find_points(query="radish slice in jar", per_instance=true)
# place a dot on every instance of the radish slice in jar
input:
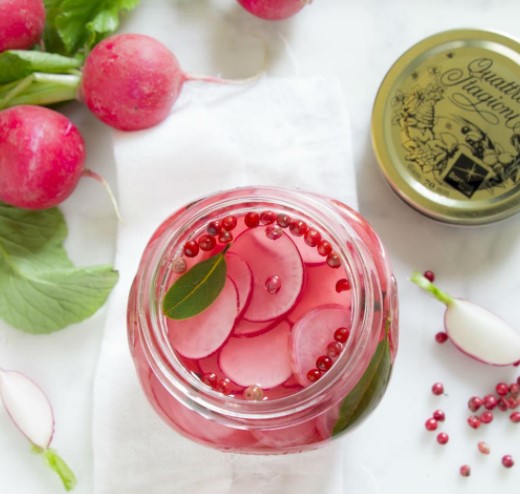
(262, 360)
(310, 336)
(204, 333)
(320, 289)
(240, 273)
(251, 328)
(268, 259)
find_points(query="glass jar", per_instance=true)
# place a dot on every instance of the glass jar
(314, 381)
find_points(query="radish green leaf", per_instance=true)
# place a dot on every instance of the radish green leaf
(40, 288)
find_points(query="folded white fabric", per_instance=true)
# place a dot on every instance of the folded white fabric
(288, 132)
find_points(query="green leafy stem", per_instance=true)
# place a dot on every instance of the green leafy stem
(58, 465)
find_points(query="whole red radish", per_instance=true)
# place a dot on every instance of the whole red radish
(273, 9)
(21, 23)
(42, 157)
(131, 81)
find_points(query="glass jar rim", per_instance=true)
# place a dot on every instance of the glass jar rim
(306, 403)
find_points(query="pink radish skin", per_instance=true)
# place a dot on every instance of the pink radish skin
(262, 360)
(201, 335)
(28, 407)
(131, 81)
(273, 9)
(42, 156)
(239, 272)
(250, 328)
(267, 258)
(475, 331)
(310, 336)
(21, 23)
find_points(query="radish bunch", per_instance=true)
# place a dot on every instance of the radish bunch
(474, 330)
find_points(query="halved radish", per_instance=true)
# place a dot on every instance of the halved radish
(240, 273)
(310, 255)
(262, 360)
(28, 407)
(310, 336)
(268, 258)
(474, 330)
(320, 289)
(202, 334)
(30, 410)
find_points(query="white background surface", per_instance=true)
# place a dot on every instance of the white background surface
(356, 42)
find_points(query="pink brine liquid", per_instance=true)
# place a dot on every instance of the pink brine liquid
(298, 345)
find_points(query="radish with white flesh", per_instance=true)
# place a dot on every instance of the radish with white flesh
(268, 258)
(202, 334)
(474, 330)
(310, 336)
(21, 23)
(262, 360)
(273, 9)
(42, 156)
(31, 412)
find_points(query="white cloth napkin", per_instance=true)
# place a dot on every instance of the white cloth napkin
(288, 132)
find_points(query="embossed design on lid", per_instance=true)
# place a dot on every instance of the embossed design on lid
(446, 126)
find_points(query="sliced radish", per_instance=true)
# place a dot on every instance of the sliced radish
(290, 437)
(239, 272)
(28, 407)
(262, 360)
(268, 258)
(476, 331)
(204, 333)
(320, 289)
(310, 336)
(251, 328)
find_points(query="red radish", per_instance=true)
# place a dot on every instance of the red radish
(273, 9)
(131, 81)
(474, 330)
(240, 273)
(319, 289)
(202, 334)
(21, 23)
(262, 360)
(267, 258)
(42, 157)
(310, 336)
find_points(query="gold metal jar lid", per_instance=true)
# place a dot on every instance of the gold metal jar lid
(446, 126)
